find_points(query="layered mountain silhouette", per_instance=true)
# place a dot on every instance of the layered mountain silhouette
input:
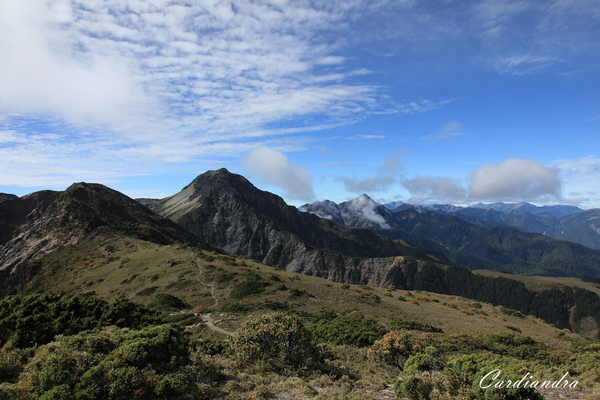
(466, 240)
(35, 225)
(557, 211)
(560, 222)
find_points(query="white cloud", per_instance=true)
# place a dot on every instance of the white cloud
(365, 136)
(39, 74)
(581, 165)
(366, 207)
(274, 168)
(515, 179)
(580, 175)
(523, 64)
(144, 83)
(435, 188)
(386, 177)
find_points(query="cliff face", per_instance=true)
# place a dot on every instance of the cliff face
(37, 224)
(227, 211)
(15, 211)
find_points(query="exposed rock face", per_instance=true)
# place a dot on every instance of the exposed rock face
(37, 224)
(17, 211)
(227, 211)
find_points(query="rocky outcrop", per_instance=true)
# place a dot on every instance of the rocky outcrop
(17, 211)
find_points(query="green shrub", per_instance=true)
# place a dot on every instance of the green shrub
(347, 331)
(168, 302)
(472, 368)
(428, 361)
(37, 318)
(397, 346)
(275, 342)
(249, 287)
(401, 324)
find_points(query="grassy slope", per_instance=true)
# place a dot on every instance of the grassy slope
(543, 282)
(116, 266)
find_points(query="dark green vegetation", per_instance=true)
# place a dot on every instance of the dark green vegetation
(121, 350)
(563, 306)
(36, 319)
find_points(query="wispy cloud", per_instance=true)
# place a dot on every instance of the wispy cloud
(522, 65)
(365, 136)
(166, 80)
(451, 129)
(385, 177)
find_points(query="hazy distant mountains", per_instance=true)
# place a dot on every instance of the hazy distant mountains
(560, 222)
(557, 211)
(464, 236)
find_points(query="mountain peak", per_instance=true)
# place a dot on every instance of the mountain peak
(362, 201)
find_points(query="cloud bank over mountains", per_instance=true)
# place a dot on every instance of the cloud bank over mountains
(513, 180)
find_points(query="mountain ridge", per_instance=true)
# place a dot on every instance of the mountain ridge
(227, 211)
(45, 221)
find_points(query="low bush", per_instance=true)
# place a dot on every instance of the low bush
(396, 346)
(359, 332)
(168, 302)
(275, 342)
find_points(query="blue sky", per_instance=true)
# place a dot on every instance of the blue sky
(420, 101)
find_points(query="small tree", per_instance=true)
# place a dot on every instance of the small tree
(276, 341)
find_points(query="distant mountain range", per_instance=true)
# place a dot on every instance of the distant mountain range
(465, 237)
(560, 222)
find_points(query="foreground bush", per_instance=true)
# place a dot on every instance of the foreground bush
(347, 331)
(151, 363)
(397, 346)
(37, 318)
(275, 342)
(426, 377)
